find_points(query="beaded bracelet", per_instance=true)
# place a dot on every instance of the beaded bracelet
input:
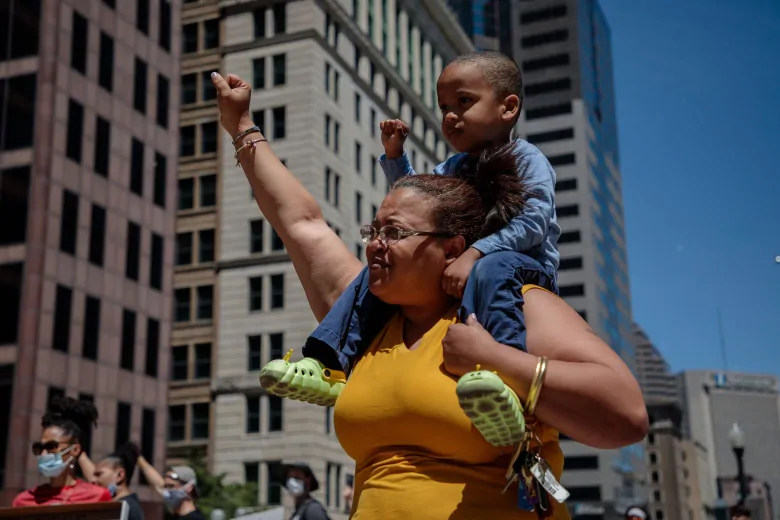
(245, 133)
(249, 144)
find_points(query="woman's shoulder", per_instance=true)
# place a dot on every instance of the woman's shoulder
(87, 492)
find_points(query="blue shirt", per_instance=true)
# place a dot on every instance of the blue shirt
(534, 231)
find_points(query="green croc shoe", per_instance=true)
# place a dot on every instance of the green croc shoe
(492, 407)
(306, 380)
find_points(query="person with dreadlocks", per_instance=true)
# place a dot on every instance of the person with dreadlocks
(64, 426)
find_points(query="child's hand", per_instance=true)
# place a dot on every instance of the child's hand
(457, 273)
(394, 132)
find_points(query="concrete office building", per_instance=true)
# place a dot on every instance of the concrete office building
(563, 48)
(713, 402)
(652, 371)
(88, 140)
(195, 276)
(325, 73)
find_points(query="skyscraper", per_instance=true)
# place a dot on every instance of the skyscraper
(487, 22)
(652, 371)
(88, 140)
(563, 48)
(324, 75)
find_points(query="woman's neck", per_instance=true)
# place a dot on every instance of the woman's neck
(66, 479)
(418, 319)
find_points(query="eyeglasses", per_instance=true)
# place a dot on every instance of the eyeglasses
(49, 447)
(390, 235)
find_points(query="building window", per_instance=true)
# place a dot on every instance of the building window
(156, 263)
(655, 477)
(148, 427)
(183, 303)
(553, 135)
(133, 254)
(547, 87)
(541, 15)
(102, 146)
(336, 137)
(256, 236)
(657, 496)
(373, 123)
(259, 24)
(208, 191)
(256, 294)
(183, 248)
(165, 25)
(137, 167)
(357, 107)
(653, 458)
(569, 237)
(258, 116)
(62, 318)
(546, 62)
(200, 420)
(22, 91)
(106, 62)
(206, 246)
(275, 414)
(139, 86)
(358, 156)
(91, 340)
(659, 514)
(208, 137)
(566, 185)
(163, 87)
(25, 18)
(177, 422)
(205, 295)
(124, 413)
(202, 360)
(280, 18)
(97, 235)
(258, 73)
(280, 69)
(180, 360)
(127, 355)
(536, 40)
(69, 222)
(548, 111)
(581, 462)
(254, 348)
(142, 16)
(570, 263)
(566, 291)
(152, 346)
(252, 414)
(275, 481)
(190, 38)
(75, 130)
(160, 179)
(358, 207)
(187, 141)
(280, 122)
(585, 493)
(78, 43)
(276, 345)
(208, 90)
(276, 241)
(186, 199)
(277, 291)
(189, 89)
(571, 210)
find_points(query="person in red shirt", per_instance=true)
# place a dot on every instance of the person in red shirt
(64, 425)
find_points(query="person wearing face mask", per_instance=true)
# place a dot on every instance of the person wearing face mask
(64, 426)
(180, 491)
(300, 482)
(115, 472)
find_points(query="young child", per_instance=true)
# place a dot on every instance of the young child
(480, 96)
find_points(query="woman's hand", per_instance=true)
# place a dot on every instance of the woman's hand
(233, 95)
(464, 346)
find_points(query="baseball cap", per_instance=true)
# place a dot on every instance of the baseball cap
(635, 511)
(185, 475)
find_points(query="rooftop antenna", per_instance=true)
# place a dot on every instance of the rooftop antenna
(722, 341)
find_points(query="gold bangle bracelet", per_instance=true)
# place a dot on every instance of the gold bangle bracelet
(536, 386)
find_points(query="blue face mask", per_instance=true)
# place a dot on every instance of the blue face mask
(112, 488)
(51, 465)
(173, 498)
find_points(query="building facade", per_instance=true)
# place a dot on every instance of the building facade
(88, 142)
(713, 402)
(563, 49)
(193, 342)
(487, 22)
(324, 74)
(652, 371)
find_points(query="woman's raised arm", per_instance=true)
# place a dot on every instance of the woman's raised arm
(323, 263)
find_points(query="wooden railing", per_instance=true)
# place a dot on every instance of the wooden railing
(101, 511)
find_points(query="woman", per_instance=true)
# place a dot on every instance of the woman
(417, 454)
(114, 473)
(60, 446)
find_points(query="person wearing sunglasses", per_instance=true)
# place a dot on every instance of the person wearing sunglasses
(178, 488)
(64, 426)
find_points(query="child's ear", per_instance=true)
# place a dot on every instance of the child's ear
(455, 247)
(512, 106)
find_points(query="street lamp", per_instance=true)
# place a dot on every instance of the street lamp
(737, 439)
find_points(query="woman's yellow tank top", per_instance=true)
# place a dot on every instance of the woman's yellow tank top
(418, 456)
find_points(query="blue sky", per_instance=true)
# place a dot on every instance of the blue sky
(698, 102)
